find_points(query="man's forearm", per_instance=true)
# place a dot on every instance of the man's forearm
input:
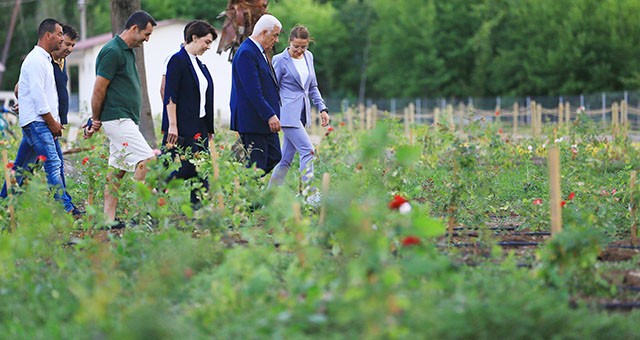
(97, 100)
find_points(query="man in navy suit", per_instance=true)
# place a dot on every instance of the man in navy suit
(255, 101)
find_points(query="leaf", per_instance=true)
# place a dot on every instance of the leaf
(428, 227)
(407, 154)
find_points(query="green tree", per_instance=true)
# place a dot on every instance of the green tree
(404, 60)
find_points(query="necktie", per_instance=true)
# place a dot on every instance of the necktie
(273, 72)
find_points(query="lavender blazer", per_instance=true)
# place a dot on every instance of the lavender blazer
(294, 95)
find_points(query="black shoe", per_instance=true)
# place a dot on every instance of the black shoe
(116, 224)
(77, 213)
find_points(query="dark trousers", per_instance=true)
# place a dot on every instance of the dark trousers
(263, 149)
(188, 170)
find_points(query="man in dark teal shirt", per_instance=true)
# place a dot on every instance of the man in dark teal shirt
(116, 103)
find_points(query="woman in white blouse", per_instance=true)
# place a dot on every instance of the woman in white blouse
(187, 120)
(296, 78)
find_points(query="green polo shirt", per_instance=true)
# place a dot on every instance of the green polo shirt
(117, 62)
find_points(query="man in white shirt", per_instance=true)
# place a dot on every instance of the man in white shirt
(39, 118)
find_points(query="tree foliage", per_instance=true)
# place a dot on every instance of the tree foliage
(425, 48)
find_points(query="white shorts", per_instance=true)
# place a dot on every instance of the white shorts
(127, 146)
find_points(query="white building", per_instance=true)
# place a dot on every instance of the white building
(165, 41)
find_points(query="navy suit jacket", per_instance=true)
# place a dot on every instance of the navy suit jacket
(183, 89)
(254, 91)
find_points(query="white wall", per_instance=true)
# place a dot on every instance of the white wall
(164, 41)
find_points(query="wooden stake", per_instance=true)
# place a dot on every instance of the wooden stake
(539, 116)
(350, 119)
(374, 115)
(436, 117)
(567, 113)
(554, 190)
(624, 118)
(214, 160)
(560, 115)
(632, 207)
(220, 201)
(407, 126)
(516, 109)
(325, 192)
(7, 179)
(412, 113)
(615, 122)
(361, 110)
(534, 120)
(452, 125)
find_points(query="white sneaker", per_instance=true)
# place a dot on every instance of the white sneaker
(314, 199)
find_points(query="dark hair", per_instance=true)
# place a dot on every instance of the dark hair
(140, 19)
(70, 32)
(186, 27)
(200, 28)
(299, 32)
(47, 26)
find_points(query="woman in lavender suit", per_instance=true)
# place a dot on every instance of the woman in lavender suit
(296, 78)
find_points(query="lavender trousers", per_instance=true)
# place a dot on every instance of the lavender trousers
(296, 139)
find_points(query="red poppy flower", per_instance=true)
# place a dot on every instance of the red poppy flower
(125, 144)
(497, 112)
(397, 202)
(500, 131)
(537, 201)
(162, 201)
(197, 136)
(343, 123)
(85, 160)
(410, 241)
(330, 128)
(9, 165)
(563, 203)
(42, 158)
(572, 195)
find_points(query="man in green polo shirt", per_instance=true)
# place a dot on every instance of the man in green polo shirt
(116, 104)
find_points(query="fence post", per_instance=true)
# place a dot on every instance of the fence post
(560, 114)
(539, 117)
(452, 125)
(374, 115)
(624, 118)
(516, 110)
(604, 109)
(534, 120)
(361, 111)
(350, 119)
(615, 122)
(567, 113)
(436, 117)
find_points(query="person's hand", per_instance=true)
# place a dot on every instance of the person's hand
(90, 130)
(55, 128)
(324, 118)
(274, 124)
(96, 125)
(172, 135)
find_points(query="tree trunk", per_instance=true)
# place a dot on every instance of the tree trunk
(120, 11)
